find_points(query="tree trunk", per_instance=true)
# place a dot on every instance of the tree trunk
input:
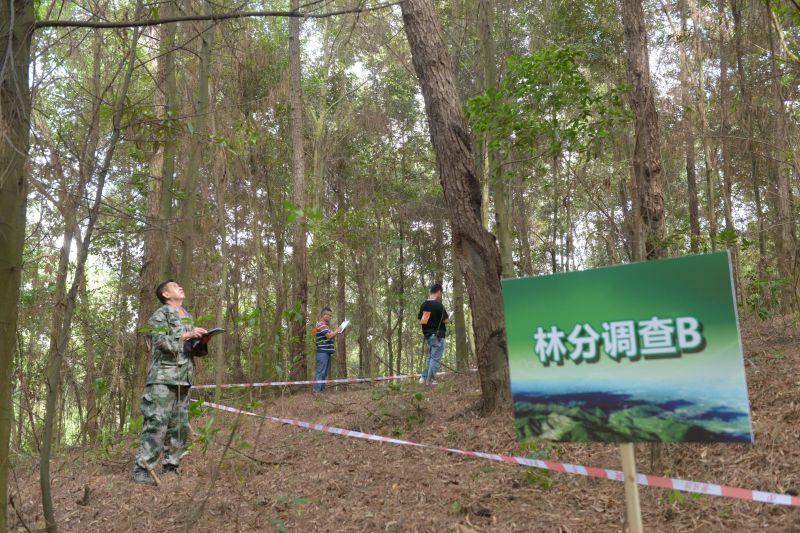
(170, 88)
(475, 248)
(688, 136)
(15, 110)
(401, 299)
(755, 182)
(154, 249)
(492, 169)
(709, 167)
(297, 342)
(786, 242)
(198, 129)
(90, 429)
(646, 154)
(727, 166)
(341, 280)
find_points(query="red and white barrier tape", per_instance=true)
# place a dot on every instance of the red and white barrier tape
(603, 473)
(314, 382)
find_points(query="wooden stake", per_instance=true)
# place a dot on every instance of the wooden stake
(158, 481)
(633, 511)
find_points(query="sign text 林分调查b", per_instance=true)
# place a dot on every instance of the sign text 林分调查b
(652, 338)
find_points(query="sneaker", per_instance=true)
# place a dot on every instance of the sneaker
(170, 470)
(141, 475)
(422, 381)
(433, 382)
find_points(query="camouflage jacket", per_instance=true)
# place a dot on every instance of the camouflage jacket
(171, 360)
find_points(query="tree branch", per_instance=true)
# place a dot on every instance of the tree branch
(213, 16)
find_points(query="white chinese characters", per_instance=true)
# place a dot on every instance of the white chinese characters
(649, 338)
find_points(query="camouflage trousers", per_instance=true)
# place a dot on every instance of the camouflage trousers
(166, 424)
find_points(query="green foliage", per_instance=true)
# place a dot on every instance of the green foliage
(547, 104)
(399, 406)
(679, 498)
(205, 435)
(195, 408)
(531, 448)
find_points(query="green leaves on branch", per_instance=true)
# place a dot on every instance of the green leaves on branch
(547, 104)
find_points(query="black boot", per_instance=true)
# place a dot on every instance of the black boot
(141, 475)
(169, 470)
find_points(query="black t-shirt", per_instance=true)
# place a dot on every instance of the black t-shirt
(432, 316)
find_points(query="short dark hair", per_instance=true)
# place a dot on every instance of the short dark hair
(436, 287)
(326, 310)
(160, 290)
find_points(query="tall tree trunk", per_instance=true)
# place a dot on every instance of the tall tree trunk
(90, 429)
(401, 298)
(15, 111)
(170, 87)
(755, 182)
(709, 167)
(155, 236)
(646, 154)
(198, 130)
(475, 248)
(688, 135)
(491, 161)
(341, 280)
(727, 166)
(297, 342)
(786, 241)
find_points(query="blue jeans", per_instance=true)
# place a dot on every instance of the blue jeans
(321, 371)
(435, 351)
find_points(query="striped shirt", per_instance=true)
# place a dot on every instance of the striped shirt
(324, 344)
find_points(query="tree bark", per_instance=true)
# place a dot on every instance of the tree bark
(15, 110)
(170, 87)
(462, 350)
(341, 288)
(755, 181)
(727, 164)
(154, 249)
(492, 169)
(709, 167)
(297, 342)
(475, 247)
(786, 240)
(198, 130)
(646, 154)
(688, 136)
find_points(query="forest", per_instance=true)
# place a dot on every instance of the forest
(276, 159)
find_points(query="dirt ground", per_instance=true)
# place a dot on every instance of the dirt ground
(255, 475)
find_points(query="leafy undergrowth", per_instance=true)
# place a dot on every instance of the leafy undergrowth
(246, 474)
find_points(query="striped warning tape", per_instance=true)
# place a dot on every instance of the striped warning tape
(603, 473)
(314, 382)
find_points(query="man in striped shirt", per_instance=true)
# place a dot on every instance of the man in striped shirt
(324, 335)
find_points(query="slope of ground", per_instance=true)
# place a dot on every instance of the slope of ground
(255, 475)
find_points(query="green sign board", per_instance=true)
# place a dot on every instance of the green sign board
(646, 352)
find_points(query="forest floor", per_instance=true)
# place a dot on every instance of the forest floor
(282, 478)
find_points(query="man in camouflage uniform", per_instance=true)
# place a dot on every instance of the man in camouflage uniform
(165, 402)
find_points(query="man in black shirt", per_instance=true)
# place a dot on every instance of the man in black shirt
(433, 318)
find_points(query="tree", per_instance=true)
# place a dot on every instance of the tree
(646, 153)
(299, 319)
(476, 250)
(15, 111)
